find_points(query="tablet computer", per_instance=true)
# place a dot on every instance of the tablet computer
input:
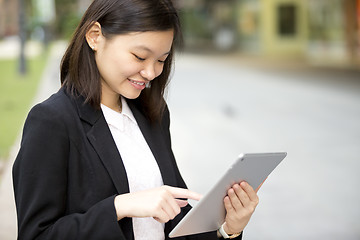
(209, 214)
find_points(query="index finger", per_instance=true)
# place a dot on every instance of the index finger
(183, 193)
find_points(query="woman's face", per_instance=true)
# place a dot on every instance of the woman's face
(128, 62)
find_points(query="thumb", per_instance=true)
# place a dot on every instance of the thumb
(181, 203)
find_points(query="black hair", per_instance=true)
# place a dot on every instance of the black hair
(79, 73)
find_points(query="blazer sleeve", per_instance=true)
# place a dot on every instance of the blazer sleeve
(40, 185)
(181, 182)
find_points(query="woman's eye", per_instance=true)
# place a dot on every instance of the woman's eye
(161, 61)
(139, 58)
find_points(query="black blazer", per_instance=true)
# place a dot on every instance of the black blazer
(68, 172)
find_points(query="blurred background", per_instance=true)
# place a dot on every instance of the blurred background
(254, 76)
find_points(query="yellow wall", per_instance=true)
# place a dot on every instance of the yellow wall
(272, 43)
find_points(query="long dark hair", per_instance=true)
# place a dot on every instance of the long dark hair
(79, 73)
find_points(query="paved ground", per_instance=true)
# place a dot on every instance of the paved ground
(222, 106)
(9, 48)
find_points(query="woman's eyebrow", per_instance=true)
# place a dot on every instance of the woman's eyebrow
(149, 50)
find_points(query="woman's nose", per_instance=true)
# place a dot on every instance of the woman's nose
(150, 72)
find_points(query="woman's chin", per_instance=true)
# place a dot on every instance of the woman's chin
(132, 95)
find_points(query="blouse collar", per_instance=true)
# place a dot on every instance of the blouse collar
(117, 119)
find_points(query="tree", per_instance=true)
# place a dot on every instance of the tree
(22, 35)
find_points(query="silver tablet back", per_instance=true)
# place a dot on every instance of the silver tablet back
(209, 214)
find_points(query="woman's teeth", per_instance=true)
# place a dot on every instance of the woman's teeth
(138, 83)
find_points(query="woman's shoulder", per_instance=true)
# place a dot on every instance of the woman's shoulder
(56, 100)
(57, 105)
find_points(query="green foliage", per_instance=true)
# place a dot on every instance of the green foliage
(16, 95)
(67, 18)
(70, 25)
(195, 24)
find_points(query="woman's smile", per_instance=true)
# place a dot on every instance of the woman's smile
(138, 84)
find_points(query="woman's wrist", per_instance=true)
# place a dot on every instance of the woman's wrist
(224, 232)
(119, 206)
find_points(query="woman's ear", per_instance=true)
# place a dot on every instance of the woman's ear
(94, 35)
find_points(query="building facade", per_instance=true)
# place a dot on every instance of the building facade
(39, 12)
(315, 30)
(9, 12)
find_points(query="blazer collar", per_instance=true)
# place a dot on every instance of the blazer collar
(86, 112)
(101, 139)
(99, 136)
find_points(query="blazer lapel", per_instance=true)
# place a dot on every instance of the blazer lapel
(154, 138)
(101, 139)
(103, 143)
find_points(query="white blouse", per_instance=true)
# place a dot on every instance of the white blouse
(141, 167)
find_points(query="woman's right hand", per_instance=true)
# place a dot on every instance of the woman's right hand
(160, 203)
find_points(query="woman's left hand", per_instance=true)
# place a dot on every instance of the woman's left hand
(240, 204)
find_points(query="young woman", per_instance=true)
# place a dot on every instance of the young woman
(95, 159)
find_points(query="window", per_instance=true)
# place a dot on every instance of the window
(287, 20)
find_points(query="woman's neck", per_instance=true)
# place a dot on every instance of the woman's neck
(114, 103)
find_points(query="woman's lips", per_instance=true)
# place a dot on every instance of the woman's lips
(137, 84)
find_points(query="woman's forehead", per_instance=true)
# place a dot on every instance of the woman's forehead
(151, 41)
